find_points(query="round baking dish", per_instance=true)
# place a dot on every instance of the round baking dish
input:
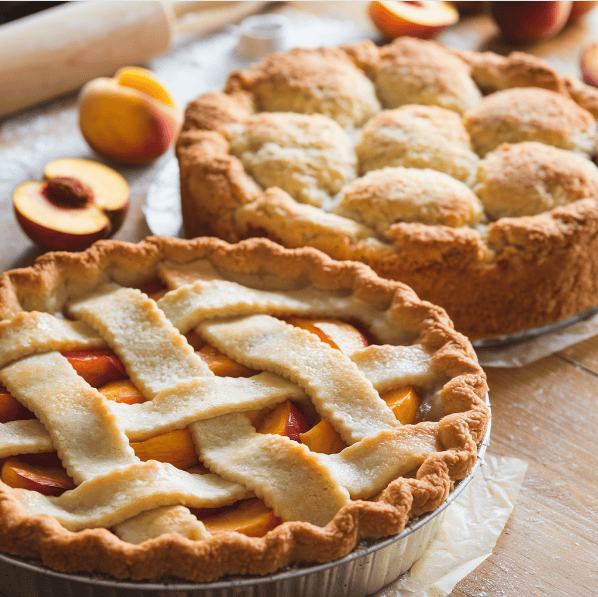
(514, 269)
(370, 566)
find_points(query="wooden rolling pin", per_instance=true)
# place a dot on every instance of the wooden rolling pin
(60, 49)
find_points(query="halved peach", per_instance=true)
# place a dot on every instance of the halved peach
(221, 365)
(175, 447)
(130, 118)
(79, 203)
(46, 480)
(250, 517)
(338, 334)
(96, 367)
(417, 19)
(11, 409)
(109, 190)
(285, 419)
(122, 390)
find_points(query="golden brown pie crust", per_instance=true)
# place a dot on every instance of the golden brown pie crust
(526, 272)
(59, 277)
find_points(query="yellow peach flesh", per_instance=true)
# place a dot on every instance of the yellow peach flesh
(145, 81)
(175, 447)
(30, 203)
(250, 517)
(323, 438)
(110, 189)
(418, 19)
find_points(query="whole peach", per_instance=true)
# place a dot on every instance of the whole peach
(530, 21)
(130, 118)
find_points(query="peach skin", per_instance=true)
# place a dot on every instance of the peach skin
(417, 19)
(46, 480)
(78, 203)
(130, 118)
(250, 517)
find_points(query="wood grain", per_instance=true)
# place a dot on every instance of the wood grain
(546, 414)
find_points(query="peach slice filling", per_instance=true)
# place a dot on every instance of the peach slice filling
(102, 369)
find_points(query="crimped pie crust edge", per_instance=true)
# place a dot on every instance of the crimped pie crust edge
(48, 284)
(531, 271)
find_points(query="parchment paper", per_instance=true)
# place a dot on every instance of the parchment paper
(468, 532)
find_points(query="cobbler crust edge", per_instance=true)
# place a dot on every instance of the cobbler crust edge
(541, 269)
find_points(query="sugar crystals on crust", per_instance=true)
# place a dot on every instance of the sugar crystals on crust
(417, 137)
(323, 81)
(412, 71)
(529, 178)
(309, 156)
(531, 114)
(383, 197)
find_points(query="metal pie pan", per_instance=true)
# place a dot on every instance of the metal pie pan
(511, 339)
(370, 566)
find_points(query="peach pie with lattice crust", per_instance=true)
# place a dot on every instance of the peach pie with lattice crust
(194, 409)
(469, 176)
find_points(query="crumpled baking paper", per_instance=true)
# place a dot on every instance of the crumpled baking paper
(523, 352)
(468, 532)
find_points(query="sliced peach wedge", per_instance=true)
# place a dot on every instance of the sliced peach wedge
(96, 367)
(286, 419)
(323, 437)
(338, 334)
(79, 202)
(417, 19)
(11, 409)
(250, 517)
(175, 447)
(43, 479)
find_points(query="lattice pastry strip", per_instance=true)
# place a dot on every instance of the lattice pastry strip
(203, 398)
(153, 523)
(389, 366)
(337, 388)
(188, 306)
(117, 312)
(107, 311)
(126, 492)
(41, 332)
(366, 467)
(231, 446)
(83, 429)
(23, 437)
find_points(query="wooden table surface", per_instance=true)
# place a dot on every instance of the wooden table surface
(545, 413)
